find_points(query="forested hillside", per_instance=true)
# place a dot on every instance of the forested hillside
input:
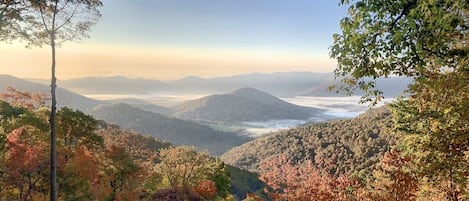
(242, 105)
(349, 145)
(101, 161)
(176, 131)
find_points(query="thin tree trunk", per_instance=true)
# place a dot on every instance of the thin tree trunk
(53, 151)
(53, 139)
(53, 86)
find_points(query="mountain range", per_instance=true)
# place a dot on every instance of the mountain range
(179, 125)
(281, 84)
(140, 116)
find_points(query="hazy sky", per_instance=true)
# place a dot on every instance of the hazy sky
(170, 39)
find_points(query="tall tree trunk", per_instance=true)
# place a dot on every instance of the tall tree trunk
(53, 139)
(53, 86)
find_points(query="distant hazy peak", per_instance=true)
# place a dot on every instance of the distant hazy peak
(249, 92)
(191, 78)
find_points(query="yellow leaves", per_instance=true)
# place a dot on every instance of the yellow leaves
(184, 167)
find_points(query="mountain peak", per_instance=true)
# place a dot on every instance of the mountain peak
(249, 91)
(244, 104)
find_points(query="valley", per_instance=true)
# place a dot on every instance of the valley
(215, 122)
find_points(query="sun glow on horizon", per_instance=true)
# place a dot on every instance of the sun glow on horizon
(76, 60)
(175, 39)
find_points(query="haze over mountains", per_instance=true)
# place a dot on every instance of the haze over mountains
(179, 124)
(281, 84)
(214, 122)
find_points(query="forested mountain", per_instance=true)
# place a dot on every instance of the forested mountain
(142, 104)
(176, 131)
(350, 145)
(141, 147)
(65, 97)
(242, 105)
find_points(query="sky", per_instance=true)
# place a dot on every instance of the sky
(172, 39)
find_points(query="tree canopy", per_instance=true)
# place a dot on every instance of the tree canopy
(426, 40)
(383, 38)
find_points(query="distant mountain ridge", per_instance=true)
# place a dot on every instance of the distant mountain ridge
(242, 105)
(281, 84)
(140, 116)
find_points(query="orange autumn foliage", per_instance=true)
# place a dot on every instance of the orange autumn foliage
(206, 189)
(288, 181)
(25, 162)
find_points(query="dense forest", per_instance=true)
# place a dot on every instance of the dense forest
(349, 145)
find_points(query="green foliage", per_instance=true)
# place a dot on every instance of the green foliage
(222, 180)
(244, 183)
(8, 111)
(435, 128)
(12, 117)
(426, 40)
(42, 22)
(76, 128)
(10, 17)
(381, 38)
(123, 173)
